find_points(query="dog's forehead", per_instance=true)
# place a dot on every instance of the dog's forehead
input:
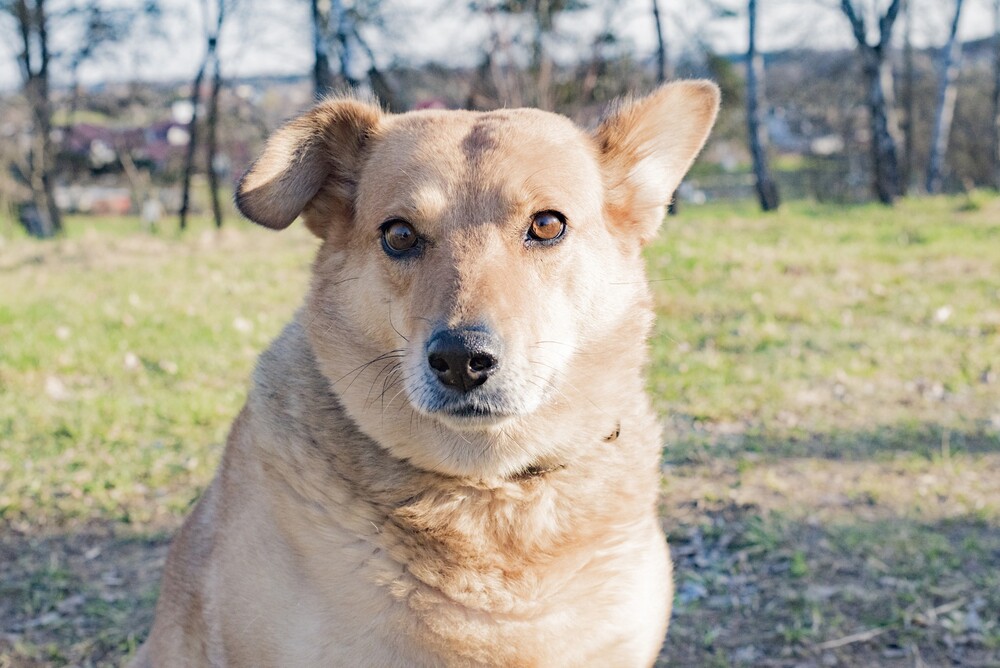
(505, 155)
(472, 135)
(497, 145)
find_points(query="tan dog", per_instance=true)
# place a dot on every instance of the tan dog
(448, 458)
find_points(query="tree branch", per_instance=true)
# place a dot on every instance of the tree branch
(857, 21)
(886, 22)
(43, 38)
(24, 26)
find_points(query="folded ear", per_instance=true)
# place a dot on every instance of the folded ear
(318, 153)
(647, 146)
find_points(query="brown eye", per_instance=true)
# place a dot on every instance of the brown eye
(547, 226)
(398, 237)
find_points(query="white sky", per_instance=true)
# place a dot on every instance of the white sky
(273, 37)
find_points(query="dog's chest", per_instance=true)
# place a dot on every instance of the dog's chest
(474, 590)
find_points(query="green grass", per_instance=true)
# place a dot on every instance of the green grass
(829, 378)
(829, 321)
(124, 358)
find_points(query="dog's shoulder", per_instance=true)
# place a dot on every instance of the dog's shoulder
(287, 370)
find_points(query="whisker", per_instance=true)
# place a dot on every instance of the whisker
(402, 380)
(394, 327)
(344, 280)
(388, 384)
(368, 398)
(399, 352)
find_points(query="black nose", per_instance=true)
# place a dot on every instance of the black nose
(463, 358)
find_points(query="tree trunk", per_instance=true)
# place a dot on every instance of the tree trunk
(138, 183)
(322, 78)
(36, 87)
(211, 145)
(342, 22)
(879, 98)
(909, 78)
(192, 142)
(996, 94)
(212, 33)
(767, 189)
(951, 56)
(381, 86)
(541, 62)
(661, 45)
(878, 75)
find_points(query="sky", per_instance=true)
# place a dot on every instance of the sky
(273, 36)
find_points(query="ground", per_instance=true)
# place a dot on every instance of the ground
(829, 378)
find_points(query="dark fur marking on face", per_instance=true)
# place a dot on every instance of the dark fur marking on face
(480, 139)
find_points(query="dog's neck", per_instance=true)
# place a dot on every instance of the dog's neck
(439, 525)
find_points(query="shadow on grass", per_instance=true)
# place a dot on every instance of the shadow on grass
(765, 590)
(81, 597)
(689, 442)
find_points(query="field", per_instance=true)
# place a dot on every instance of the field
(829, 378)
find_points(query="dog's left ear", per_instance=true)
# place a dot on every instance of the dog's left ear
(647, 146)
(318, 153)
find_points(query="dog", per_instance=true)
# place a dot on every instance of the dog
(448, 457)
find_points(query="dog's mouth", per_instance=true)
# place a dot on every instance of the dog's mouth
(471, 415)
(471, 411)
(475, 410)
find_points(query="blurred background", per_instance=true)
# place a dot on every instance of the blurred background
(154, 108)
(826, 357)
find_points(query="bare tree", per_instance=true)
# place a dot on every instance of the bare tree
(337, 29)
(211, 143)
(996, 94)
(343, 28)
(34, 59)
(494, 84)
(879, 95)
(322, 80)
(661, 45)
(543, 15)
(909, 106)
(543, 12)
(212, 31)
(767, 189)
(945, 107)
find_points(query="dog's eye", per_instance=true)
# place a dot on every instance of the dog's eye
(547, 226)
(398, 237)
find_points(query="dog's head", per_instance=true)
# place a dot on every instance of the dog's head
(478, 268)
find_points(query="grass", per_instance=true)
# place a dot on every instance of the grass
(829, 378)
(827, 320)
(136, 351)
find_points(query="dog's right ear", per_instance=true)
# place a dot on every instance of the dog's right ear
(318, 153)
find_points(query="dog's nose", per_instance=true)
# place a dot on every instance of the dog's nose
(463, 358)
